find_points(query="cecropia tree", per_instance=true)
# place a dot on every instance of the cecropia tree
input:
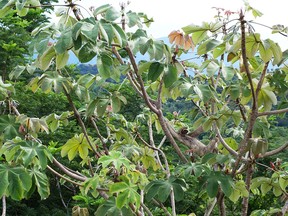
(127, 163)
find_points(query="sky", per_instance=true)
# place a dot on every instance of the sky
(171, 15)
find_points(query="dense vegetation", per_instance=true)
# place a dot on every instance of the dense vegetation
(140, 137)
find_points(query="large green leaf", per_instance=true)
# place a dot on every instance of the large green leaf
(52, 80)
(170, 75)
(64, 43)
(112, 14)
(61, 60)
(155, 70)
(208, 46)
(104, 65)
(161, 189)
(90, 31)
(26, 152)
(216, 179)
(87, 53)
(15, 182)
(109, 208)
(45, 60)
(127, 193)
(40, 180)
(9, 127)
(116, 159)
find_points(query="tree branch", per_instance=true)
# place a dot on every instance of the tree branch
(161, 206)
(210, 207)
(273, 112)
(143, 90)
(67, 172)
(223, 142)
(61, 176)
(275, 151)
(168, 134)
(261, 80)
(244, 58)
(81, 123)
(4, 207)
(245, 200)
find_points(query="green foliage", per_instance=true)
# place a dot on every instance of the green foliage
(15, 182)
(216, 120)
(161, 189)
(76, 145)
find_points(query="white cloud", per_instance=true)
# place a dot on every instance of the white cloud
(173, 15)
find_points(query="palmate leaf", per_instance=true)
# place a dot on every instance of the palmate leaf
(76, 145)
(33, 125)
(127, 193)
(216, 179)
(9, 127)
(40, 180)
(86, 53)
(161, 189)
(26, 152)
(109, 208)
(115, 158)
(50, 80)
(15, 182)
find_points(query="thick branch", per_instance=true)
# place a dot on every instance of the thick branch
(143, 90)
(244, 58)
(223, 142)
(273, 112)
(193, 143)
(61, 176)
(248, 184)
(275, 151)
(3, 205)
(67, 172)
(168, 134)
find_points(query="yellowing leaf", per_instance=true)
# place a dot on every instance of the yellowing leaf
(76, 145)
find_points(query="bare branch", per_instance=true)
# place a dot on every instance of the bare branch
(161, 206)
(210, 207)
(223, 142)
(4, 207)
(261, 80)
(61, 176)
(67, 172)
(143, 90)
(275, 151)
(273, 112)
(244, 58)
(159, 100)
(248, 179)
